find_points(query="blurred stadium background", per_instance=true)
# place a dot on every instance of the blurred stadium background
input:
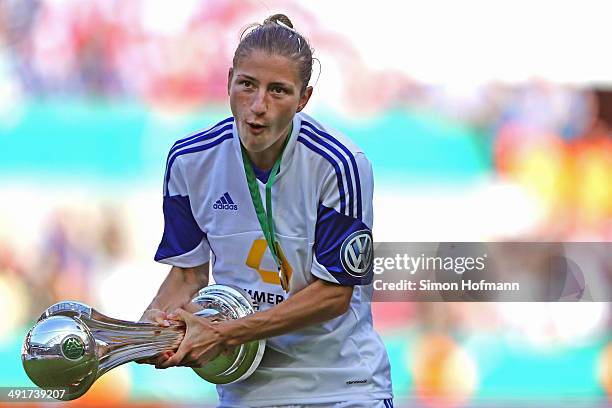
(483, 120)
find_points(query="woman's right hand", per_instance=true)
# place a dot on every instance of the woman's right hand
(156, 316)
(160, 318)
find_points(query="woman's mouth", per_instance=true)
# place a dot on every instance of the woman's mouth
(255, 128)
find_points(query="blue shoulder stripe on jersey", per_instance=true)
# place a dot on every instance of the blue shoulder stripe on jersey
(334, 163)
(203, 135)
(345, 164)
(349, 154)
(199, 138)
(193, 150)
(223, 122)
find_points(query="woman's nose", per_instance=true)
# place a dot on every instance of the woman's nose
(258, 104)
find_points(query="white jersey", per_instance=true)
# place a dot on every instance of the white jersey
(322, 210)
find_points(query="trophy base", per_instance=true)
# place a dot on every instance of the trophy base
(220, 369)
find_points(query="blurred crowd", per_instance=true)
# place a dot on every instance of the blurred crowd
(553, 139)
(113, 49)
(558, 144)
(75, 250)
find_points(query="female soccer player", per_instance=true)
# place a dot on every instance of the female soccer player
(285, 207)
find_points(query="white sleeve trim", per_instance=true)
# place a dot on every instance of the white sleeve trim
(321, 272)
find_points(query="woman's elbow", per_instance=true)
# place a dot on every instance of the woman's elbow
(342, 301)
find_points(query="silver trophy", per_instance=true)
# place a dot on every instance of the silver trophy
(72, 345)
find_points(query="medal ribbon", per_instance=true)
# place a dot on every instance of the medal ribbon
(265, 217)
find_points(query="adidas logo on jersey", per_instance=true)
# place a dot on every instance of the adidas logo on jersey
(225, 203)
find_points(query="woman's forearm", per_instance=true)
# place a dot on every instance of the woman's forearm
(316, 303)
(179, 287)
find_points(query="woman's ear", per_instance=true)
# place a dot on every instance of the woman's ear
(230, 73)
(304, 98)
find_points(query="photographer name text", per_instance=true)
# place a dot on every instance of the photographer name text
(428, 285)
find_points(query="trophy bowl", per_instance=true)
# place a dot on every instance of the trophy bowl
(72, 344)
(224, 302)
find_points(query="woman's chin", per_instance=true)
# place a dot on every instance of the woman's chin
(253, 145)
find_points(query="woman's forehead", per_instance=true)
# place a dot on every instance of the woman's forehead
(266, 67)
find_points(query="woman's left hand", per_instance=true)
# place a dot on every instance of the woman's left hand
(203, 341)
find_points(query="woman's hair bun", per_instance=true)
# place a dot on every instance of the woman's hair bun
(276, 18)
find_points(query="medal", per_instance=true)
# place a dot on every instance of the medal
(285, 269)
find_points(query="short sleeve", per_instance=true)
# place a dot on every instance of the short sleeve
(183, 243)
(343, 247)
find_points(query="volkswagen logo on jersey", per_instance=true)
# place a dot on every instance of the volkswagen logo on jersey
(356, 253)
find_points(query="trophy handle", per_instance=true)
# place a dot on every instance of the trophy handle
(120, 341)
